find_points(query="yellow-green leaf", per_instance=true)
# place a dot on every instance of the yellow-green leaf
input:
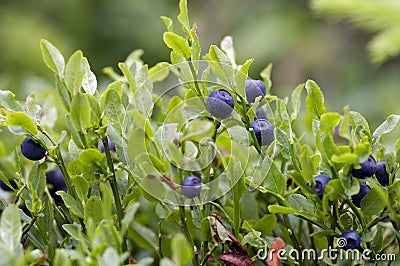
(178, 44)
(21, 119)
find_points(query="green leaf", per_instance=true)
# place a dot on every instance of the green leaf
(275, 180)
(81, 187)
(52, 57)
(315, 100)
(72, 204)
(178, 44)
(130, 213)
(266, 76)
(22, 120)
(129, 76)
(114, 109)
(110, 257)
(198, 129)
(168, 23)
(329, 121)
(32, 108)
(373, 202)
(159, 72)
(8, 102)
(91, 210)
(241, 77)
(281, 209)
(80, 111)
(143, 236)
(227, 47)
(221, 65)
(11, 228)
(386, 127)
(63, 94)
(91, 157)
(74, 72)
(301, 203)
(89, 81)
(37, 179)
(296, 101)
(182, 251)
(74, 133)
(266, 224)
(183, 17)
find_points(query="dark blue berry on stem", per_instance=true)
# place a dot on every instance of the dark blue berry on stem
(32, 150)
(191, 187)
(261, 114)
(5, 187)
(364, 189)
(381, 174)
(254, 89)
(220, 103)
(367, 168)
(352, 240)
(111, 145)
(264, 131)
(320, 183)
(56, 182)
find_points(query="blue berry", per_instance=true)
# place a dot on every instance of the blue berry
(264, 131)
(191, 187)
(6, 187)
(320, 182)
(254, 89)
(353, 240)
(111, 145)
(56, 181)
(364, 189)
(32, 150)
(368, 168)
(381, 174)
(261, 114)
(220, 103)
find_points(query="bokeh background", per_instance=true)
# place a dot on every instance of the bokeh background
(301, 41)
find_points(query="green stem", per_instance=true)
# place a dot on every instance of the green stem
(292, 235)
(196, 84)
(236, 209)
(113, 181)
(377, 220)
(205, 259)
(185, 229)
(114, 186)
(29, 225)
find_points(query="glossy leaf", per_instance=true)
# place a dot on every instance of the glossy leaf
(52, 57)
(11, 228)
(315, 100)
(74, 72)
(386, 127)
(72, 204)
(22, 120)
(178, 44)
(91, 209)
(80, 111)
(183, 17)
(89, 81)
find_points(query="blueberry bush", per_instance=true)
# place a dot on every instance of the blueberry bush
(191, 162)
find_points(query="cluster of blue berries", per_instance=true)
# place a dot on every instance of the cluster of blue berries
(55, 182)
(220, 104)
(34, 151)
(367, 169)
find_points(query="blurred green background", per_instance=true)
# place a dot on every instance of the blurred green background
(300, 42)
